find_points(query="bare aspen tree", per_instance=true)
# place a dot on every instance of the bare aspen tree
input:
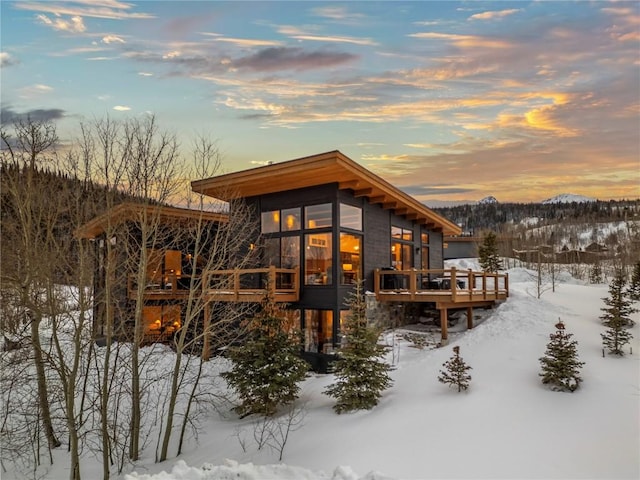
(216, 246)
(35, 216)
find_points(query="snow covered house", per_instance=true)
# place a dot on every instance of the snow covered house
(322, 222)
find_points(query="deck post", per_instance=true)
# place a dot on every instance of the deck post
(376, 282)
(470, 284)
(271, 283)
(453, 284)
(469, 318)
(206, 347)
(484, 285)
(506, 283)
(444, 337)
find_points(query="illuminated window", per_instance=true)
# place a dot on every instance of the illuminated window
(318, 331)
(318, 258)
(270, 221)
(290, 219)
(350, 250)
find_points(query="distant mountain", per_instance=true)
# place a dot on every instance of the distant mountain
(568, 198)
(488, 200)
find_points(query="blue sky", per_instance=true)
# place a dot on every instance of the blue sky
(447, 100)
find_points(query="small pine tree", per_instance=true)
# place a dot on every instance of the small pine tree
(617, 316)
(267, 367)
(619, 307)
(634, 285)
(456, 371)
(361, 375)
(595, 273)
(560, 365)
(488, 254)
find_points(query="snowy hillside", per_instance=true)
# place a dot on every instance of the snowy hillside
(568, 198)
(508, 425)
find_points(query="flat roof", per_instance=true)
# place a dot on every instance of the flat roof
(324, 168)
(130, 211)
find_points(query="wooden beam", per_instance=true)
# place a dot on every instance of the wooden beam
(469, 318)
(402, 211)
(389, 205)
(378, 199)
(412, 216)
(363, 192)
(352, 184)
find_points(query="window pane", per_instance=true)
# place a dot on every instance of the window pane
(350, 217)
(318, 258)
(271, 221)
(318, 331)
(407, 234)
(396, 232)
(317, 216)
(272, 252)
(349, 258)
(290, 219)
(290, 253)
(424, 238)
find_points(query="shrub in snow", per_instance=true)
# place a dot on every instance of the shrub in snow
(456, 371)
(266, 367)
(488, 254)
(361, 374)
(560, 365)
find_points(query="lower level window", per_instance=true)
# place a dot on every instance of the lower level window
(318, 331)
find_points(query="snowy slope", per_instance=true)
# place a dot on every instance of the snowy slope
(508, 425)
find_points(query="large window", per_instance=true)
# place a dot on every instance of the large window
(350, 217)
(401, 248)
(350, 265)
(276, 221)
(282, 252)
(318, 259)
(318, 331)
(318, 216)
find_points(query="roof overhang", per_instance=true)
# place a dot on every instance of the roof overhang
(125, 212)
(325, 168)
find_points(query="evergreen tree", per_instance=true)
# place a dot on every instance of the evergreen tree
(488, 254)
(619, 307)
(595, 273)
(456, 371)
(267, 367)
(560, 365)
(634, 285)
(361, 375)
(617, 316)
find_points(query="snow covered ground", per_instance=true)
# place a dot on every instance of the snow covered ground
(507, 425)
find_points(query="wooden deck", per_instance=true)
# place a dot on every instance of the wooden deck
(238, 285)
(452, 287)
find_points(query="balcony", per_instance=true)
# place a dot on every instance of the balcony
(169, 287)
(252, 285)
(246, 285)
(446, 287)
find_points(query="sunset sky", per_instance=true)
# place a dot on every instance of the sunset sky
(447, 100)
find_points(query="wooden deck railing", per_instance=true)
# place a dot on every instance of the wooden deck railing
(171, 286)
(440, 285)
(252, 285)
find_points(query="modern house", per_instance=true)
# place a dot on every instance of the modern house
(324, 221)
